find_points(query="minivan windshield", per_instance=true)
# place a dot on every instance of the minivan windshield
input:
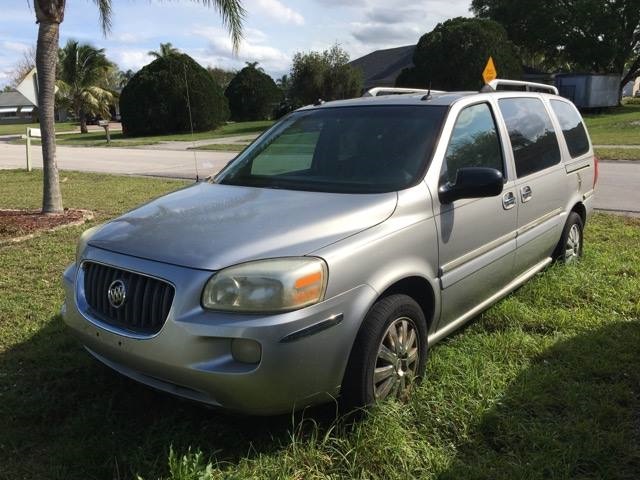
(365, 149)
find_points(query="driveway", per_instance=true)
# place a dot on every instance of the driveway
(617, 189)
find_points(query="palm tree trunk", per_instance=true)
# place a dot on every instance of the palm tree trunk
(46, 58)
(83, 121)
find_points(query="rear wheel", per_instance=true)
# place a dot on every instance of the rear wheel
(569, 248)
(389, 354)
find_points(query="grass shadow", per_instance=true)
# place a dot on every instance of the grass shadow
(574, 413)
(86, 421)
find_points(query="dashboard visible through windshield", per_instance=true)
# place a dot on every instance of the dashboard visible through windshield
(369, 149)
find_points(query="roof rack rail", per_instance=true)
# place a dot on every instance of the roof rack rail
(526, 86)
(383, 91)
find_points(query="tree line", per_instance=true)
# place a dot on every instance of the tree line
(571, 36)
(173, 93)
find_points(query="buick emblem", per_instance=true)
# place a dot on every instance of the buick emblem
(117, 293)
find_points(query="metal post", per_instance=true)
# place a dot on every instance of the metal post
(28, 149)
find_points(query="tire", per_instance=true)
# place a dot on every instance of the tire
(569, 249)
(396, 373)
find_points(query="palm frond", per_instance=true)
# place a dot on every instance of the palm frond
(104, 8)
(233, 14)
(96, 101)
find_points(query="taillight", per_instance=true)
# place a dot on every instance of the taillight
(596, 169)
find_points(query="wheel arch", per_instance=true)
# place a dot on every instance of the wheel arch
(420, 290)
(581, 210)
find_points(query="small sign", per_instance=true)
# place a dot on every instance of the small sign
(489, 72)
(35, 133)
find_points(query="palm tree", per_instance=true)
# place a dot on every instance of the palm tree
(49, 16)
(124, 78)
(82, 76)
(166, 50)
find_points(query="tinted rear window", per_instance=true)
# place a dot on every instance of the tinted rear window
(347, 149)
(572, 128)
(534, 142)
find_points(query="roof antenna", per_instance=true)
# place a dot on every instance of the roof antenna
(428, 95)
(193, 142)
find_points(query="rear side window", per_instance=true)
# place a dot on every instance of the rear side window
(572, 128)
(474, 143)
(534, 142)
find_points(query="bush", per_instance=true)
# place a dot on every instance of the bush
(155, 99)
(631, 101)
(323, 75)
(252, 95)
(454, 54)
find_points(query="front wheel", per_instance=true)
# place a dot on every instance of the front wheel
(389, 354)
(569, 248)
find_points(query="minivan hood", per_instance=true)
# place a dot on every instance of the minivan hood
(212, 226)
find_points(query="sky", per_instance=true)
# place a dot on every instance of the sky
(274, 29)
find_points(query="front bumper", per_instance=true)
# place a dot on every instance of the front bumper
(191, 355)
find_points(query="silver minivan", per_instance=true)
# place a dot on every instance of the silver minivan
(326, 259)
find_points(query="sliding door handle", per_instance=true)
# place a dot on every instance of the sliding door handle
(508, 201)
(526, 193)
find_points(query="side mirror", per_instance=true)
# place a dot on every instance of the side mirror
(472, 182)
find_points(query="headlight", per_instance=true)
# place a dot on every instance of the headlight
(267, 286)
(83, 240)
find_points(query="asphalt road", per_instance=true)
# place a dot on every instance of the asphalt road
(618, 189)
(129, 161)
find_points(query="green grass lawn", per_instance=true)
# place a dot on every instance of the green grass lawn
(615, 126)
(22, 128)
(98, 139)
(546, 384)
(618, 153)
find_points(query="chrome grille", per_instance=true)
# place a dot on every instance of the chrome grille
(146, 306)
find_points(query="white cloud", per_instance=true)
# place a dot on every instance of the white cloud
(277, 11)
(128, 37)
(383, 26)
(133, 59)
(17, 47)
(383, 33)
(253, 48)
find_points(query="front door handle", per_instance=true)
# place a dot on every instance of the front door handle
(526, 193)
(508, 201)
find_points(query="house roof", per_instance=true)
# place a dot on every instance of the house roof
(14, 99)
(382, 67)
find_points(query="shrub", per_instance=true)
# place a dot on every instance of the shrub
(454, 54)
(252, 94)
(323, 75)
(155, 99)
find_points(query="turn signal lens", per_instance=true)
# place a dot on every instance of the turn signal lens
(267, 286)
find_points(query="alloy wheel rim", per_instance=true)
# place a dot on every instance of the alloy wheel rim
(397, 360)
(572, 247)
